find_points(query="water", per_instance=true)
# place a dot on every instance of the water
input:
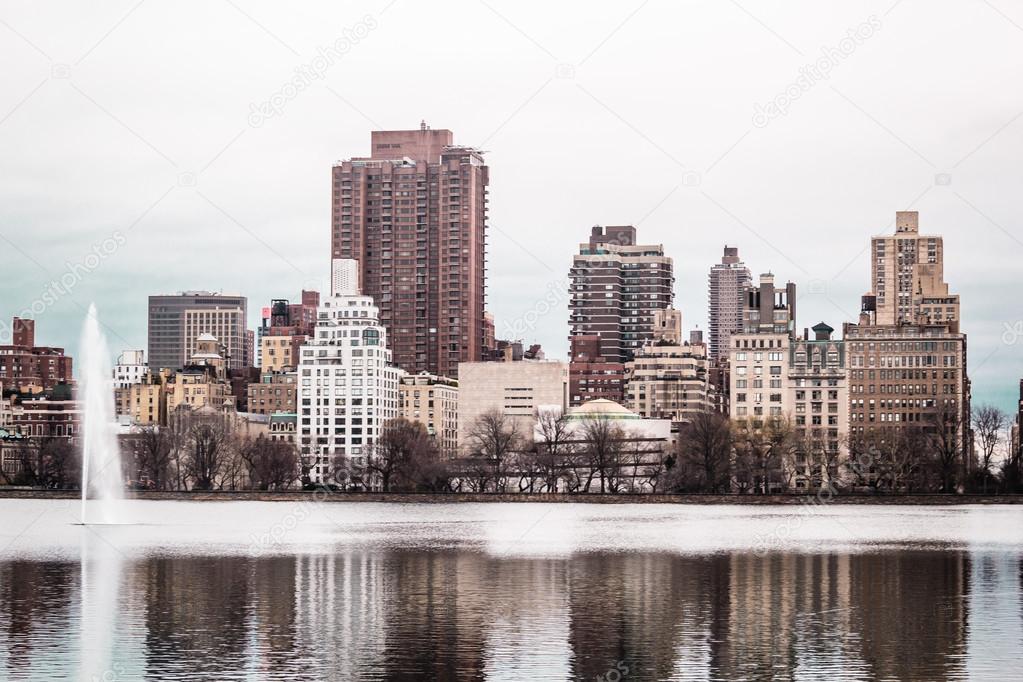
(349, 591)
(102, 480)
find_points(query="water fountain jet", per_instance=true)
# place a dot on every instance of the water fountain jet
(102, 479)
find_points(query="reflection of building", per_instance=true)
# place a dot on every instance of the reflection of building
(177, 320)
(29, 368)
(616, 287)
(514, 389)
(348, 386)
(433, 402)
(413, 214)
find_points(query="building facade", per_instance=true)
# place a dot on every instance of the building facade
(432, 401)
(590, 377)
(348, 385)
(514, 389)
(616, 287)
(414, 216)
(769, 310)
(275, 392)
(668, 380)
(177, 320)
(907, 276)
(726, 284)
(29, 368)
(130, 368)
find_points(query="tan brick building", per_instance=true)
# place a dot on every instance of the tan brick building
(433, 402)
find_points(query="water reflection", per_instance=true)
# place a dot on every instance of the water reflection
(458, 614)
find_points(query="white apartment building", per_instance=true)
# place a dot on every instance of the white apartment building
(130, 368)
(348, 387)
(759, 368)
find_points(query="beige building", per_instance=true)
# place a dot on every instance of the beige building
(145, 402)
(667, 381)
(203, 381)
(907, 273)
(759, 367)
(818, 388)
(515, 389)
(433, 402)
(726, 284)
(279, 353)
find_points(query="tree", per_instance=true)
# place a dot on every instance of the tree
(155, 453)
(988, 424)
(206, 452)
(271, 464)
(702, 462)
(947, 440)
(492, 438)
(401, 455)
(763, 454)
(603, 443)
(554, 449)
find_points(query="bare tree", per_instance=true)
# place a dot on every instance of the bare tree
(271, 464)
(154, 454)
(989, 422)
(555, 448)
(703, 455)
(763, 449)
(492, 439)
(206, 452)
(400, 455)
(603, 448)
(947, 439)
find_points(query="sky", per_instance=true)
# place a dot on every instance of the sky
(152, 147)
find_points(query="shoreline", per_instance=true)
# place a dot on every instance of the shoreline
(921, 499)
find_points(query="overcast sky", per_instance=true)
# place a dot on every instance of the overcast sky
(138, 154)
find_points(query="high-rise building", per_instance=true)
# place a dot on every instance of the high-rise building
(177, 320)
(727, 284)
(29, 368)
(616, 286)
(907, 355)
(348, 386)
(414, 215)
(907, 274)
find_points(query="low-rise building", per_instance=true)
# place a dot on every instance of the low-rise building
(432, 401)
(29, 368)
(667, 380)
(590, 376)
(130, 368)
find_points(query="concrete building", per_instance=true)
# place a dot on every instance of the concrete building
(727, 284)
(667, 380)
(515, 389)
(433, 402)
(590, 376)
(414, 215)
(759, 365)
(818, 387)
(177, 320)
(616, 286)
(130, 368)
(907, 276)
(203, 381)
(348, 385)
(275, 392)
(29, 368)
(768, 310)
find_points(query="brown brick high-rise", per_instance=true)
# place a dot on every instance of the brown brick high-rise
(414, 216)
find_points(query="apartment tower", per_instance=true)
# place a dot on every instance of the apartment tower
(727, 284)
(177, 320)
(616, 287)
(414, 215)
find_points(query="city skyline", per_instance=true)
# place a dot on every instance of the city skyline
(845, 152)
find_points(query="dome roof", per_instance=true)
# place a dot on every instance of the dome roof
(601, 408)
(206, 336)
